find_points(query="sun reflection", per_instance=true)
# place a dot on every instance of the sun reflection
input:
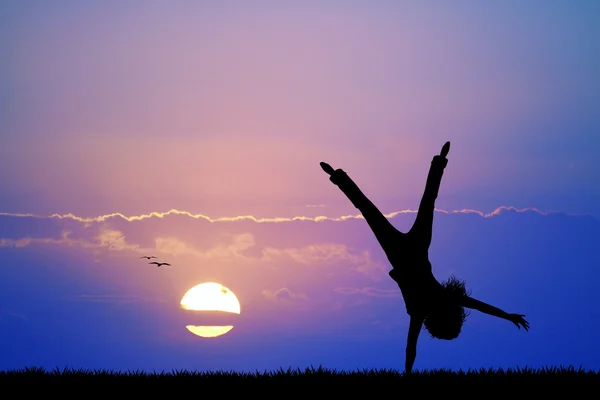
(209, 331)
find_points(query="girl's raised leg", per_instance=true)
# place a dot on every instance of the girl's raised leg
(423, 225)
(384, 231)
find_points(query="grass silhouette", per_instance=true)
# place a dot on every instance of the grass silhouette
(38, 377)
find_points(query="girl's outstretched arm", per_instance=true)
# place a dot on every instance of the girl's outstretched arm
(475, 304)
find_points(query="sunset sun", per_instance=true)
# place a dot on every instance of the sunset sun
(210, 296)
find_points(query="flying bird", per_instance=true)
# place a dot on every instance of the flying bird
(158, 264)
(147, 257)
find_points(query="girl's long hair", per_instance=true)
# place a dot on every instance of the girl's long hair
(446, 319)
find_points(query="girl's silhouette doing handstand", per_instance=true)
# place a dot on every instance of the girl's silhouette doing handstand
(439, 307)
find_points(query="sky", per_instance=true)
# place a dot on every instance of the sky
(193, 131)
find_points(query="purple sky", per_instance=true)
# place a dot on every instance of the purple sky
(113, 113)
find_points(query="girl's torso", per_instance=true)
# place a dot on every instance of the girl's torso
(413, 273)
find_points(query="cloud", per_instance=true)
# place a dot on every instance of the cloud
(369, 291)
(240, 243)
(283, 295)
(162, 215)
(177, 247)
(15, 243)
(295, 250)
(28, 241)
(112, 239)
(289, 243)
(109, 239)
(315, 254)
(327, 253)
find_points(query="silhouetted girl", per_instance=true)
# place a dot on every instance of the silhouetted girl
(439, 307)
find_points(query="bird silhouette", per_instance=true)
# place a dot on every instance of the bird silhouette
(158, 264)
(148, 257)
